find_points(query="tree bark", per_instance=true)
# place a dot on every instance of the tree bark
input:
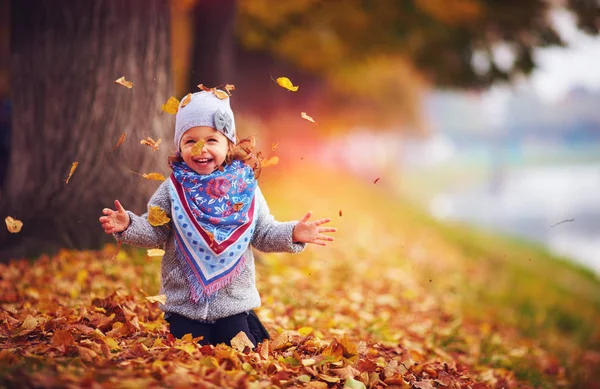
(65, 57)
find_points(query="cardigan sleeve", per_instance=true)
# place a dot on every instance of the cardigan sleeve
(271, 235)
(140, 232)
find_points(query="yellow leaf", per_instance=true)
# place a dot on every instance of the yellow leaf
(111, 343)
(125, 83)
(274, 146)
(161, 298)
(13, 225)
(197, 148)
(204, 88)
(187, 347)
(171, 106)
(29, 323)
(241, 341)
(270, 162)
(73, 167)
(151, 142)
(156, 252)
(305, 330)
(305, 116)
(154, 176)
(228, 88)
(186, 100)
(121, 140)
(285, 82)
(220, 94)
(157, 216)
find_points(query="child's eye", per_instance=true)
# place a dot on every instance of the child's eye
(212, 140)
(190, 141)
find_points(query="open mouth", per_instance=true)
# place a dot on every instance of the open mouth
(203, 161)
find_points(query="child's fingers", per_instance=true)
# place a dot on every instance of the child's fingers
(306, 217)
(326, 237)
(118, 206)
(327, 229)
(322, 221)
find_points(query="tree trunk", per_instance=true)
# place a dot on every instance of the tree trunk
(65, 57)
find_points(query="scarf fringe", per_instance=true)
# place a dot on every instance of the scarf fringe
(205, 293)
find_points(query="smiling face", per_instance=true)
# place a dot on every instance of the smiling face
(213, 153)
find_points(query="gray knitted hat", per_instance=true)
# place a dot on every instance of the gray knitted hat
(205, 109)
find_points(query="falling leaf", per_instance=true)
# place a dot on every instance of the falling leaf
(161, 298)
(13, 225)
(151, 142)
(238, 206)
(375, 182)
(340, 212)
(171, 106)
(154, 176)
(155, 252)
(220, 94)
(274, 146)
(285, 82)
(271, 162)
(228, 88)
(157, 216)
(121, 140)
(73, 167)
(204, 88)
(241, 341)
(197, 148)
(122, 81)
(305, 116)
(186, 100)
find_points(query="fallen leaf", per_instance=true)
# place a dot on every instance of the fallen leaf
(220, 94)
(155, 252)
(121, 140)
(186, 100)
(62, 338)
(73, 167)
(29, 323)
(285, 82)
(197, 148)
(305, 116)
(171, 106)
(125, 83)
(271, 162)
(354, 384)
(13, 225)
(151, 142)
(228, 88)
(161, 298)
(204, 88)
(238, 206)
(241, 341)
(154, 176)
(157, 216)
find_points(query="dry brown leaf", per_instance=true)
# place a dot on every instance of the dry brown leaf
(238, 206)
(285, 82)
(375, 182)
(73, 167)
(186, 100)
(125, 83)
(241, 341)
(121, 140)
(171, 106)
(340, 212)
(155, 252)
(154, 176)
(197, 148)
(220, 94)
(161, 298)
(151, 142)
(228, 88)
(14, 226)
(157, 216)
(305, 116)
(204, 88)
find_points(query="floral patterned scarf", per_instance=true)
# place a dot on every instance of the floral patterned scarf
(213, 216)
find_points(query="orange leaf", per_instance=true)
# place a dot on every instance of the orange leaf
(154, 176)
(305, 116)
(238, 206)
(62, 338)
(171, 106)
(121, 139)
(186, 100)
(340, 212)
(375, 182)
(220, 94)
(157, 216)
(13, 225)
(161, 298)
(125, 83)
(228, 88)
(73, 167)
(151, 142)
(197, 148)
(241, 341)
(274, 146)
(285, 82)
(271, 162)
(204, 88)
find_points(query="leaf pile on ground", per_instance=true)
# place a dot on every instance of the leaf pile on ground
(395, 302)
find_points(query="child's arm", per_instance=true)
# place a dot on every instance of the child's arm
(275, 236)
(136, 230)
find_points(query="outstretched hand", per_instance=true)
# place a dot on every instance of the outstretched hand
(115, 221)
(310, 232)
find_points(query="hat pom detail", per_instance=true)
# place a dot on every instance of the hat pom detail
(224, 123)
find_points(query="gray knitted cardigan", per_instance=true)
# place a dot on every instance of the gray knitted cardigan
(239, 296)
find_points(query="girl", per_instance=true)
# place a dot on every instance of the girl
(216, 213)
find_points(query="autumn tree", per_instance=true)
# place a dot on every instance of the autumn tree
(66, 107)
